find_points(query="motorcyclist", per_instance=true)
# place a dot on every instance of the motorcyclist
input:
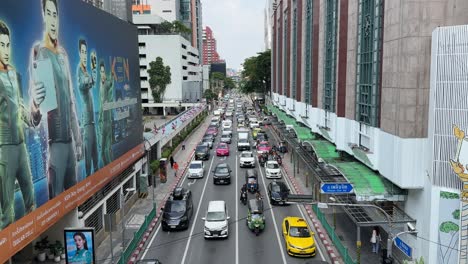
(244, 188)
(258, 195)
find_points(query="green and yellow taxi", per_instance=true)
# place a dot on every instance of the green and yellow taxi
(255, 132)
(298, 237)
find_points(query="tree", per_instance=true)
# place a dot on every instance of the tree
(160, 77)
(217, 80)
(452, 229)
(229, 83)
(257, 73)
(179, 27)
(210, 95)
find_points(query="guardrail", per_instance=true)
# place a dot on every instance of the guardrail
(334, 238)
(136, 238)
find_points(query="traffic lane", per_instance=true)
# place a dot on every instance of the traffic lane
(265, 246)
(168, 245)
(280, 213)
(216, 250)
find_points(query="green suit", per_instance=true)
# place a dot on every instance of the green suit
(105, 120)
(14, 158)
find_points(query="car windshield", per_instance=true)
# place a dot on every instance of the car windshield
(246, 155)
(221, 170)
(201, 149)
(263, 145)
(299, 231)
(225, 136)
(195, 166)
(222, 146)
(272, 166)
(256, 216)
(242, 140)
(276, 188)
(215, 216)
(175, 206)
(205, 139)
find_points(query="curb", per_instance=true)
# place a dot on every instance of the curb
(141, 244)
(322, 235)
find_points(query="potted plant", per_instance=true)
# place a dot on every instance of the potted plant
(57, 250)
(41, 246)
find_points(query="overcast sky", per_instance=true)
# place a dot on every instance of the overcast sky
(237, 26)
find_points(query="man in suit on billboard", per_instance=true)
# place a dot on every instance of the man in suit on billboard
(106, 92)
(52, 87)
(86, 83)
(14, 159)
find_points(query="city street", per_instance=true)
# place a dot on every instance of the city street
(242, 246)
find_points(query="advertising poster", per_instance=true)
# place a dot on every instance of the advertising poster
(70, 118)
(79, 246)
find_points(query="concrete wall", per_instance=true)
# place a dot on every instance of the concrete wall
(162, 8)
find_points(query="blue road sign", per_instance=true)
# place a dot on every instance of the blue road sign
(336, 187)
(405, 248)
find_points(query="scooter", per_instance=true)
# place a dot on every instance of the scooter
(243, 197)
(279, 160)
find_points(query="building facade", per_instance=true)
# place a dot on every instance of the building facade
(178, 54)
(210, 53)
(358, 74)
(119, 8)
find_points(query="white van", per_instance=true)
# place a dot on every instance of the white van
(216, 220)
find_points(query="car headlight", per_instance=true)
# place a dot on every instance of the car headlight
(291, 245)
(184, 218)
(225, 227)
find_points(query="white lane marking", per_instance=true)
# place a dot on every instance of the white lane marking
(272, 215)
(192, 182)
(237, 218)
(196, 216)
(311, 225)
(151, 242)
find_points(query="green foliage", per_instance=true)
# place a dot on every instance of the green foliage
(210, 95)
(257, 73)
(154, 165)
(175, 27)
(456, 214)
(217, 76)
(160, 77)
(448, 227)
(179, 27)
(449, 195)
(229, 83)
(164, 28)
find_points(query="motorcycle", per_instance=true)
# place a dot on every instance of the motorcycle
(262, 161)
(279, 160)
(243, 197)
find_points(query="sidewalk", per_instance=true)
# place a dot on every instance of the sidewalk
(346, 230)
(135, 217)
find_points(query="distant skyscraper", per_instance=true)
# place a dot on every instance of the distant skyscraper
(210, 53)
(119, 8)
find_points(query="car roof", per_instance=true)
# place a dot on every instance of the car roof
(247, 152)
(281, 184)
(272, 162)
(222, 165)
(196, 162)
(216, 206)
(202, 145)
(296, 221)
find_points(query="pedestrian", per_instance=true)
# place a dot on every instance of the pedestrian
(183, 145)
(176, 168)
(171, 160)
(375, 240)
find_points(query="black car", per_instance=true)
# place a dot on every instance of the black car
(278, 192)
(178, 210)
(210, 136)
(202, 152)
(262, 136)
(222, 174)
(208, 140)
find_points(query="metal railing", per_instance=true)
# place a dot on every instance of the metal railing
(333, 237)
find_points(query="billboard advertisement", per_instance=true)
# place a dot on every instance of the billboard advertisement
(70, 118)
(79, 246)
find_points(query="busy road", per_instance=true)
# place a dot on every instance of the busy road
(242, 245)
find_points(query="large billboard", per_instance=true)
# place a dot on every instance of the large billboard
(70, 118)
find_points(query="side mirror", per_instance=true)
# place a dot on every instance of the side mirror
(227, 218)
(203, 218)
(230, 170)
(285, 233)
(162, 209)
(313, 233)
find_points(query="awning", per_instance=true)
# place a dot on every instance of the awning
(303, 133)
(368, 185)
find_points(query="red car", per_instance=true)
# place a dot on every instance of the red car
(263, 147)
(213, 131)
(222, 149)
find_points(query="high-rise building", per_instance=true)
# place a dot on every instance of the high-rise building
(210, 53)
(168, 10)
(357, 76)
(119, 8)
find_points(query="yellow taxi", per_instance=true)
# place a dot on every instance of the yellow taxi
(255, 132)
(298, 238)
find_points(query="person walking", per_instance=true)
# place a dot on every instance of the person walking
(171, 160)
(176, 168)
(183, 145)
(375, 240)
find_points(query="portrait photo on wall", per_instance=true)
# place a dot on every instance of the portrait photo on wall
(79, 246)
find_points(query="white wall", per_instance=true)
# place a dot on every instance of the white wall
(169, 48)
(161, 8)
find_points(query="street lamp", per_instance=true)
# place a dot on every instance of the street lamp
(334, 212)
(128, 190)
(148, 170)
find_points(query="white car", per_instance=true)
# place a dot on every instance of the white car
(272, 169)
(196, 169)
(247, 159)
(228, 113)
(254, 124)
(227, 131)
(216, 220)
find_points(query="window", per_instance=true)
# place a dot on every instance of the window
(184, 57)
(167, 11)
(142, 56)
(369, 52)
(364, 137)
(184, 46)
(330, 56)
(294, 53)
(285, 53)
(308, 52)
(185, 78)
(184, 67)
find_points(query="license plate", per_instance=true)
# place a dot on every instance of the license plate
(173, 226)
(221, 181)
(215, 235)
